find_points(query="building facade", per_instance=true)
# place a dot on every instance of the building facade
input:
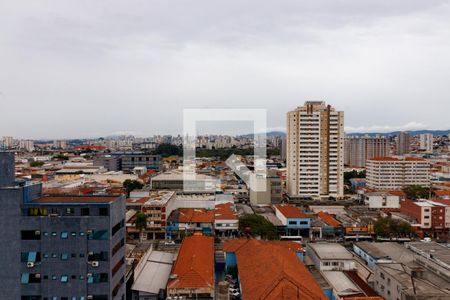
(426, 142)
(315, 151)
(403, 143)
(359, 149)
(59, 247)
(390, 173)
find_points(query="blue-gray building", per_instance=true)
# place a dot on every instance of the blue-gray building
(59, 247)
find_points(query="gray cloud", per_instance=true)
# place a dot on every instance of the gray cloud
(80, 68)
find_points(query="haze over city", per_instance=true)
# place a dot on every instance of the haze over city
(86, 69)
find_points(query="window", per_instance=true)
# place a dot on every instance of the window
(99, 235)
(30, 256)
(30, 298)
(26, 278)
(64, 234)
(64, 278)
(103, 211)
(53, 233)
(292, 222)
(64, 256)
(53, 277)
(70, 211)
(54, 255)
(73, 233)
(84, 211)
(30, 234)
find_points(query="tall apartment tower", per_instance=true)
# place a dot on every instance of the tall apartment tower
(403, 143)
(315, 151)
(360, 149)
(426, 142)
(59, 247)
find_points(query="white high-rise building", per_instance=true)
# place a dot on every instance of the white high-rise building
(315, 151)
(426, 142)
(27, 145)
(391, 173)
(8, 142)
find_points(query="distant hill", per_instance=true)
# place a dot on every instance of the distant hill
(394, 133)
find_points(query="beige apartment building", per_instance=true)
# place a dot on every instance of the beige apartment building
(315, 151)
(390, 173)
(360, 149)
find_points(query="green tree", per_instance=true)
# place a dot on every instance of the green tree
(388, 227)
(36, 164)
(131, 185)
(166, 150)
(140, 223)
(257, 225)
(416, 192)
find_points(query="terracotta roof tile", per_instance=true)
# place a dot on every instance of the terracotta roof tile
(291, 211)
(194, 267)
(280, 273)
(328, 219)
(195, 215)
(225, 211)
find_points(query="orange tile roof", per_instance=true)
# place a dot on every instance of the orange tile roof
(194, 267)
(384, 159)
(328, 219)
(270, 271)
(441, 193)
(195, 215)
(225, 211)
(234, 245)
(290, 211)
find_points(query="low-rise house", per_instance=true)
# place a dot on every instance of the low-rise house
(295, 221)
(192, 276)
(330, 257)
(184, 221)
(151, 275)
(226, 221)
(271, 270)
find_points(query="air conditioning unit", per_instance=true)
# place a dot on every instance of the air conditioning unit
(94, 264)
(90, 297)
(30, 264)
(89, 275)
(37, 232)
(89, 232)
(38, 275)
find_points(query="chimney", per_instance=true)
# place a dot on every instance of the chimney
(7, 168)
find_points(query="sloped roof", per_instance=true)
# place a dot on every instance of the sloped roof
(224, 211)
(290, 211)
(195, 215)
(280, 273)
(194, 267)
(328, 219)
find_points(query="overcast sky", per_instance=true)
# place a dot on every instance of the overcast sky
(93, 68)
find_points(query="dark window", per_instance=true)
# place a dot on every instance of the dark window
(84, 211)
(99, 235)
(31, 235)
(30, 298)
(30, 256)
(98, 256)
(116, 228)
(118, 246)
(103, 211)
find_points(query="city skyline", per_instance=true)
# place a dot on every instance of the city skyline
(142, 63)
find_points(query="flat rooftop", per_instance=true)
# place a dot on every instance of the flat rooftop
(330, 251)
(436, 251)
(76, 199)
